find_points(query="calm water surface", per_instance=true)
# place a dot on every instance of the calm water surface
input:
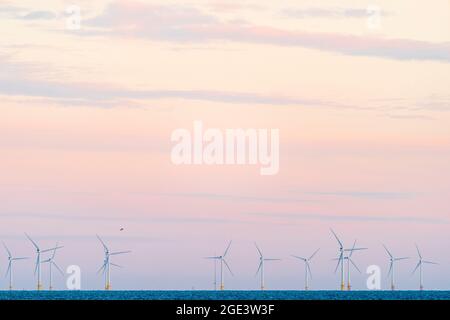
(224, 295)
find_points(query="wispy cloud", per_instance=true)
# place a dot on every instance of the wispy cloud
(39, 15)
(24, 79)
(239, 198)
(185, 24)
(21, 80)
(17, 12)
(339, 217)
(365, 194)
(80, 93)
(333, 13)
(126, 220)
(228, 6)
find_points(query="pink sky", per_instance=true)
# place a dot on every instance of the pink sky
(86, 118)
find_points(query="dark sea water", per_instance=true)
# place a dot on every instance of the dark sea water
(224, 295)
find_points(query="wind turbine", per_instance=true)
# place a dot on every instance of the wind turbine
(9, 271)
(38, 260)
(419, 265)
(52, 263)
(349, 260)
(261, 265)
(307, 267)
(222, 262)
(392, 260)
(340, 259)
(106, 267)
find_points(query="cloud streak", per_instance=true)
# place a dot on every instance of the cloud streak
(39, 15)
(21, 79)
(366, 194)
(177, 24)
(336, 13)
(239, 198)
(103, 95)
(356, 218)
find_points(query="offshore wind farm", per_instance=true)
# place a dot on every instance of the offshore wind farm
(343, 288)
(209, 148)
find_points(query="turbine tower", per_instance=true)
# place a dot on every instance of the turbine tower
(222, 263)
(419, 265)
(349, 260)
(261, 265)
(106, 267)
(9, 271)
(37, 268)
(307, 267)
(51, 262)
(392, 261)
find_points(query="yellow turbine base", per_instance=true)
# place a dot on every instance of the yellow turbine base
(342, 287)
(222, 287)
(108, 286)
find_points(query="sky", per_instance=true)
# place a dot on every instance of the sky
(361, 101)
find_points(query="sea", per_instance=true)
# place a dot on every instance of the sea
(224, 295)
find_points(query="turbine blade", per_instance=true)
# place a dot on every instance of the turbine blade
(390, 269)
(430, 262)
(313, 254)
(301, 258)
(418, 252)
(355, 249)
(271, 259)
(57, 267)
(228, 267)
(116, 265)
(102, 267)
(259, 268)
(260, 253)
(8, 270)
(339, 262)
(211, 257)
(414, 271)
(36, 267)
(309, 269)
(352, 249)
(34, 243)
(22, 258)
(7, 250)
(52, 249)
(104, 245)
(119, 252)
(390, 254)
(403, 258)
(226, 250)
(339, 241)
(354, 264)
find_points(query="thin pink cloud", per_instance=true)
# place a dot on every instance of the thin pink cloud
(188, 24)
